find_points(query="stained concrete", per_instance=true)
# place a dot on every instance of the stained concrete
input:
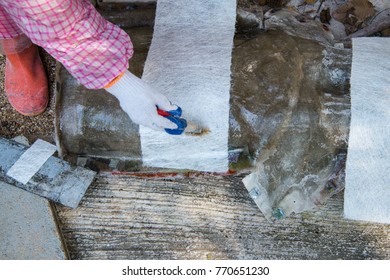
(205, 217)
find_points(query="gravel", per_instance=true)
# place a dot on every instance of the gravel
(13, 124)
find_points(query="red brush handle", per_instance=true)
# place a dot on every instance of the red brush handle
(163, 113)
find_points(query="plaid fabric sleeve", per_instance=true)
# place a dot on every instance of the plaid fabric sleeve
(12, 39)
(92, 49)
(8, 28)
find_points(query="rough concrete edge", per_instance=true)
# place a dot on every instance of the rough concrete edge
(59, 231)
(57, 131)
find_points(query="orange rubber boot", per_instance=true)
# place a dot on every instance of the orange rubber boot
(26, 83)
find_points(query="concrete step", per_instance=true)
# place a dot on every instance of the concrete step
(28, 228)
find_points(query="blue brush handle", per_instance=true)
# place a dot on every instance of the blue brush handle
(174, 116)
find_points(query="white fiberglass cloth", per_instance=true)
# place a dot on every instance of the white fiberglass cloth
(189, 61)
(31, 161)
(367, 190)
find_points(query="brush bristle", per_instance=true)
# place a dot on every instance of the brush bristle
(195, 130)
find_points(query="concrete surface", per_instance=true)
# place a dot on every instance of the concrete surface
(124, 217)
(28, 227)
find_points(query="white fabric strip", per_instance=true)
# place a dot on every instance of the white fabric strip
(31, 161)
(367, 189)
(189, 61)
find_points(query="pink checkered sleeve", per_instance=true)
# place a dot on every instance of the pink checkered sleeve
(92, 49)
(8, 28)
(12, 39)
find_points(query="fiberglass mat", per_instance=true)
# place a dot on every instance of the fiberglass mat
(367, 188)
(189, 61)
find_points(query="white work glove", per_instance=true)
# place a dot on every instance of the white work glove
(140, 101)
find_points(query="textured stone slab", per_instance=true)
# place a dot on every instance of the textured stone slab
(56, 180)
(31, 161)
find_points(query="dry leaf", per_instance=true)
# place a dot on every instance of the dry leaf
(311, 2)
(363, 9)
(341, 13)
(353, 14)
(386, 32)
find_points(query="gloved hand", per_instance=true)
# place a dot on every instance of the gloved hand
(140, 101)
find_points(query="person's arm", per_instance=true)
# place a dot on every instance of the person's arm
(93, 50)
(140, 101)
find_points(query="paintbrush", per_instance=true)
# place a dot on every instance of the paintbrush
(191, 129)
